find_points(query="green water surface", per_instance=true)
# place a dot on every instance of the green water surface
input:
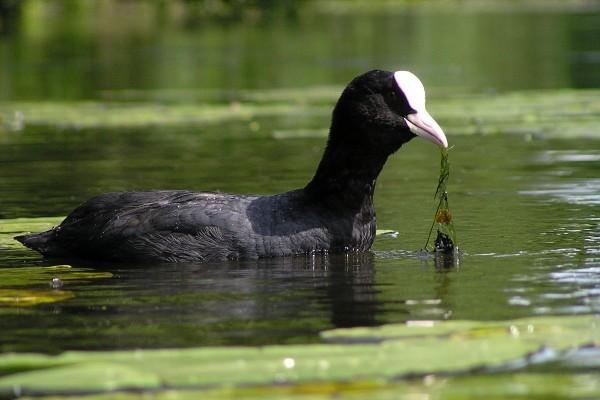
(91, 104)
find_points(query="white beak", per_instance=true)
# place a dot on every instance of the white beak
(422, 124)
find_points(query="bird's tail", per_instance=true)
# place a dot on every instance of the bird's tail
(42, 242)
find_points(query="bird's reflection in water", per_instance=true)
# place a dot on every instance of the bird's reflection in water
(342, 284)
(446, 261)
(239, 302)
(351, 291)
(265, 301)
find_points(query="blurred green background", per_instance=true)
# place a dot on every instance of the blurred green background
(69, 49)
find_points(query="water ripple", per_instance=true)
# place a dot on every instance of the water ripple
(580, 192)
(555, 156)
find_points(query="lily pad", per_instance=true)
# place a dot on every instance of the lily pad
(27, 276)
(25, 297)
(20, 225)
(532, 114)
(9, 228)
(358, 355)
(20, 286)
(513, 386)
(79, 115)
(548, 331)
(313, 94)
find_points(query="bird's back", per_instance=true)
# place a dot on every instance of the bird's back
(179, 226)
(154, 225)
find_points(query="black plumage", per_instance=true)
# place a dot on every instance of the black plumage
(333, 213)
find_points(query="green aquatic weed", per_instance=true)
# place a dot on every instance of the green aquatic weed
(443, 217)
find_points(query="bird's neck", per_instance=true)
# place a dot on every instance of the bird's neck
(346, 178)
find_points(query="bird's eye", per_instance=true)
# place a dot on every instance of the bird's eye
(392, 97)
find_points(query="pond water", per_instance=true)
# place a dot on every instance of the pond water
(526, 207)
(527, 215)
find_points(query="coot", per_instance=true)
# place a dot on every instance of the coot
(375, 115)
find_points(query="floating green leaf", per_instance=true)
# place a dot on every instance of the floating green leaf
(551, 331)
(313, 94)
(356, 355)
(20, 286)
(78, 115)
(20, 225)
(9, 228)
(27, 276)
(25, 297)
(509, 386)
(532, 114)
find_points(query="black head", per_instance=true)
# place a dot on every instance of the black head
(381, 110)
(377, 113)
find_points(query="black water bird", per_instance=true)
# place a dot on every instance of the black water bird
(375, 115)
